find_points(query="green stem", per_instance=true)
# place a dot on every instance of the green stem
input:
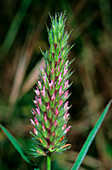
(48, 163)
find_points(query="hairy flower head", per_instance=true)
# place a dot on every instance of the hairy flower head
(51, 101)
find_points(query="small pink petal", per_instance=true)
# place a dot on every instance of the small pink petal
(37, 91)
(39, 83)
(58, 69)
(60, 91)
(42, 69)
(45, 117)
(60, 102)
(66, 116)
(60, 79)
(66, 63)
(52, 70)
(55, 123)
(48, 106)
(32, 122)
(65, 71)
(44, 78)
(68, 128)
(64, 126)
(33, 112)
(43, 91)
(62, 61)
(43, 127)
(38, 111)
(35, 131)
(56, 112)
(66, 105)
(40, 101)
(53, 134)
(35, 101)
(66, 94)
(51, 84)
(53, 96)
(36, 121)
(66, 84)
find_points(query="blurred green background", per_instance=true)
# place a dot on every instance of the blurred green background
(22, 32)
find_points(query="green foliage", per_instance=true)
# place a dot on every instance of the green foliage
(90, 138)
(18, 147)
(14, 27)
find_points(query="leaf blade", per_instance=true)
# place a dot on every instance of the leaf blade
(90, 138)
(18, 147)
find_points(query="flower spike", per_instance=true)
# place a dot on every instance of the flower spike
(51, 101)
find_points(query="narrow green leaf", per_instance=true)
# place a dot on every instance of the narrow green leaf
(16, 144)
(90, 138)
(15, 25)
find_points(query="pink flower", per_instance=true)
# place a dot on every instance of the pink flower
(45, 117)
(66, 116)
(60, 79)
(38, 111)
(45, 77)
(43, 127)
(52, 70)
(66, 105)
(40, 101)
(32, 122)
(35, 131)
(62, 61)
(60, 102)
(53, 96)
(53, 134)
(42, 69)
(39, 83)
(67, 129)
(66, 84)
(56, 112)
(60, 91)
(51, 84)
(58, 69)
(43, 91)
(66, 63)
(37, 91)
(65, 71)
(36, 121)
(66, 94)
(64, 126)
(33, 112)
(55, 123)
(35, 101)
(48, 106)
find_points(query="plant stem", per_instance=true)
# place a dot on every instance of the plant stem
(48, 163)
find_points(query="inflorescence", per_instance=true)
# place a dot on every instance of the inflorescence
(51, 101)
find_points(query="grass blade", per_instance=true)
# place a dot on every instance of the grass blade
(16, 144)
(15, 25)
(90, 139)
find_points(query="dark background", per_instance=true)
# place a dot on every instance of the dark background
(22, 32)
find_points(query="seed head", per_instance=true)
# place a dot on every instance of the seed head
(51, 101)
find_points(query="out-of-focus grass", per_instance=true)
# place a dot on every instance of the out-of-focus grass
(90, 22)
(14, 27)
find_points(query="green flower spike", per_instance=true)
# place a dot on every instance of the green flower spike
(51, 112)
